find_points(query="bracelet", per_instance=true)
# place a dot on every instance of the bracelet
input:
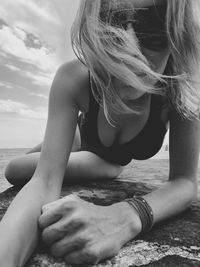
(144, 211)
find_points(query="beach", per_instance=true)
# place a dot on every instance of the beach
(153, 171)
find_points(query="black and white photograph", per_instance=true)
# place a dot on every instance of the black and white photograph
(99, 133)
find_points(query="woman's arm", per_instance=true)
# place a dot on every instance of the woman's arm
(19, 226)
(102, 231)
(181, 188)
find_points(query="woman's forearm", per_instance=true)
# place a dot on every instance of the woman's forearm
(19, 226)
(172, 198)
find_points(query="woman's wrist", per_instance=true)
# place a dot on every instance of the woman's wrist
(134, 219)
(131, 219)
(144, 211)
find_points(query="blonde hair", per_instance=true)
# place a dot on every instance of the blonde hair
(110, 51)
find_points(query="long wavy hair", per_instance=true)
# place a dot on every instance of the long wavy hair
(109, 51)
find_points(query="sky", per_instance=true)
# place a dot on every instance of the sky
(34, 42)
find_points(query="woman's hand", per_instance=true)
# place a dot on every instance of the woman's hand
(82, 232)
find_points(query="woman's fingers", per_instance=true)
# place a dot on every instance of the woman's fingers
(69, 243)
(82, 256)
(63, 227)
(49, 217)
(58, 203)
(92, 254)
(85, 233)
(53, 233)
(54, 211)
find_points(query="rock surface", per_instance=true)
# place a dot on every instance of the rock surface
(173, 243)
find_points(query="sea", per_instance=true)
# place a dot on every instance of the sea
(5, 156)
(158, 161)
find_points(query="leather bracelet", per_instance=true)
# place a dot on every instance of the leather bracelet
(144, 211)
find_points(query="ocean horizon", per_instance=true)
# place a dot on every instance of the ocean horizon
(6, 154)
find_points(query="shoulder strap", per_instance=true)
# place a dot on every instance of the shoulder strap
(93, 105)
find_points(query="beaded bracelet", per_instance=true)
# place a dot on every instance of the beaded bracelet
(144, 211)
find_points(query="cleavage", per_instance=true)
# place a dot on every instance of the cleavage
(106, 133)
(126, 128)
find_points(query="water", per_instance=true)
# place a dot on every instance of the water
(5, 156)
(157, 166)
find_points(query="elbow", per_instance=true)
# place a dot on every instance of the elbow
(187, 188)
(191, 191)
(192, 185)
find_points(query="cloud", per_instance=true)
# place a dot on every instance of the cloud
(40, 79)
(50, 21)
(34, 42)
(11, 44)
(2, 84)
(7, 85)
(23, 10)
(20, 33)
(39, 95)
(18, 109)
(12, 67)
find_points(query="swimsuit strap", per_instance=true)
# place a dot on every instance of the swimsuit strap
(93, 105)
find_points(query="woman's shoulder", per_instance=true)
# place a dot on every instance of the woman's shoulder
(73, 77)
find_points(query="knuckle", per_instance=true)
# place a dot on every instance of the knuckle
(81, 241)
(79, 220)
(86, 237)
(74, 196)
(76, 217)
(68, 205)
(71, 197)
(45, 207)
(70, 202)
(64, 205)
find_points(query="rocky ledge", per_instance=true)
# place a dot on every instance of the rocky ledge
(175, 242)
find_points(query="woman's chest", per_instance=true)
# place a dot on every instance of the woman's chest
(124, 126)
(128, 126)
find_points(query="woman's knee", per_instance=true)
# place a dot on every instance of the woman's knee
(86, 166)
(12, 171)
(20, 170)
(114, 171)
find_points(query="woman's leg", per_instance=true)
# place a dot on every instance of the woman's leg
(35, 149)
(81, 165)
(21, 169)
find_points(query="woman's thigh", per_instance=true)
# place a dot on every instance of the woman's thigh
(85, 165)
(82, 165)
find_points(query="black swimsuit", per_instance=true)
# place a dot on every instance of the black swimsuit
(145, 145)
(149, 25)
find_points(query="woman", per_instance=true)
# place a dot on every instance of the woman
(138, 70)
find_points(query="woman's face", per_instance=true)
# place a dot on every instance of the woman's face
(156, 57)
